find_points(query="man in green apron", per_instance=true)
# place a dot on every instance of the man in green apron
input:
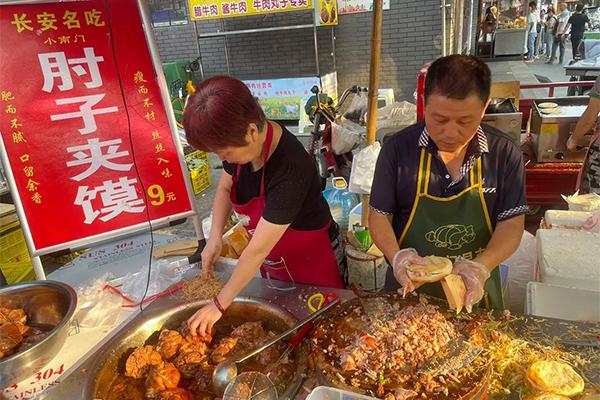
(451, 187)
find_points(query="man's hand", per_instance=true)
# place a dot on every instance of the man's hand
(403, 259)
(584, 124)
(474, 276)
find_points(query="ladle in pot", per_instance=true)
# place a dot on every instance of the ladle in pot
(226, 371)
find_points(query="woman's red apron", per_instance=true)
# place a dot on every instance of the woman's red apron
(300, 256)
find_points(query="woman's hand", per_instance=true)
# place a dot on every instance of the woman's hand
(211, 252)
(201, 323)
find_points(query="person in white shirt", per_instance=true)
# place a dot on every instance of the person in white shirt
(561, 29)
(532, 20)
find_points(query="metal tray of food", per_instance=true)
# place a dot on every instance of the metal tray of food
(348, 324)
(108, 362)
(568, 107)
(48, 307)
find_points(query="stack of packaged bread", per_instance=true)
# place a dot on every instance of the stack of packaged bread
(235, 241)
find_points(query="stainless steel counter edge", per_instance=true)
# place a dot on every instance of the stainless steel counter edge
(293, 300)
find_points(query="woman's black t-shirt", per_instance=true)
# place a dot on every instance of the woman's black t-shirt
(292, 186)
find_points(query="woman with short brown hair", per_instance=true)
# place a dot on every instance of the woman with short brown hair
(269, 177)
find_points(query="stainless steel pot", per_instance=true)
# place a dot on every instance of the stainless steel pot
(110, 359)
(45, 302)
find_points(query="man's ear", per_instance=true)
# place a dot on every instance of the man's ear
(486, 105)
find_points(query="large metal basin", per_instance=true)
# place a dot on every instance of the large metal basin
(45, 302)
(110, 358)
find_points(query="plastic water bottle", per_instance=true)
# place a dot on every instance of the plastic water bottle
(340, 201)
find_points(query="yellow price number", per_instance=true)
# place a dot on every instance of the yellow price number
(157, 194)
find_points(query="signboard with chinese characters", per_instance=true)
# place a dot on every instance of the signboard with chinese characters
(326, 12)
(86, 137)
(281, 98)
(358, 6)
(212, 9)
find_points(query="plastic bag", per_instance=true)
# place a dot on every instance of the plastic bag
(358, 108)
(363, 169)
(521, 266)
(163, 274)
(96, 307)
(397, 115)
(345, 136)
(583, 202)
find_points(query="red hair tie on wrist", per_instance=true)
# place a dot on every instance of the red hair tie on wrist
(218, 305)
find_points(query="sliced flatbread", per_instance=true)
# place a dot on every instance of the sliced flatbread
(548, 105)
(550, 111)
(546, 396)
(555, 377)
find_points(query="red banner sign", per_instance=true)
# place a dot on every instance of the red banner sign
(83, 123)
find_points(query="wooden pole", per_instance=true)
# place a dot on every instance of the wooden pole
(373, 89)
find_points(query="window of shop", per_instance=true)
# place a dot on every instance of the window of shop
(168, 12)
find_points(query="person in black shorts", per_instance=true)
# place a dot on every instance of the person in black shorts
(578, 21)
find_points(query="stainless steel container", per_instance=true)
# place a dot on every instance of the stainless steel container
(509, 42)
(45, 302)
(551, 131)
(508, 121)
(109, 360)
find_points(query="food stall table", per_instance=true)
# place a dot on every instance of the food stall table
(580, 71)
(542, 330)
(294, 301)
(66, 375)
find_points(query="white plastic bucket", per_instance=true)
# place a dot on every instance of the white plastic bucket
(364, 270)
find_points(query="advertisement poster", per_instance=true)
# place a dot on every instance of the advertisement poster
(84, 128)
(281, 98)
(358, 6)
(213, 9)
(326, 13)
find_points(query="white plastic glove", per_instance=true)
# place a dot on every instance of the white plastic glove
(402, 259)
(474, 276)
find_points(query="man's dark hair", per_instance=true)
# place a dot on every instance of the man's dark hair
(579, 7)
(457, 77)
(533, 5)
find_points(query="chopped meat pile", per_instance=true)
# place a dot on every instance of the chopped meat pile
(416, 334)
(392, 351)
(180, 366)
(15, 334)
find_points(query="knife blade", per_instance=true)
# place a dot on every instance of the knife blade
(457, 354)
